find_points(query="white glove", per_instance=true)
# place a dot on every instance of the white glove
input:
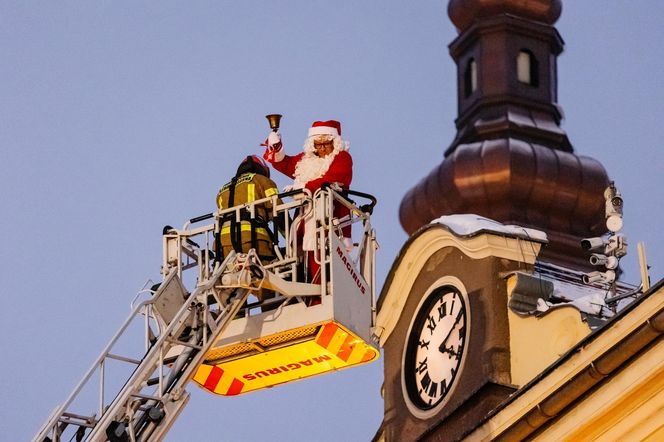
(274, 140)
(348, 243)
(273, 152)
(295, 186)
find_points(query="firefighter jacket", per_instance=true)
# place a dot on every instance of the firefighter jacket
(247, 233)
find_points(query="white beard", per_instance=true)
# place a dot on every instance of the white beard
(312, 167)
(309, 168)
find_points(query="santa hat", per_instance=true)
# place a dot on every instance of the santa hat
(330, 127)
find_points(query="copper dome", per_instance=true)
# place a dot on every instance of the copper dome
(464, 12)
(515, 182)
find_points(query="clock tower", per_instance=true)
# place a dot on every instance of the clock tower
(510, 159)
(477, 303)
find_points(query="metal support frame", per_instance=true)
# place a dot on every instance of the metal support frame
(179, 328)
(158, 381)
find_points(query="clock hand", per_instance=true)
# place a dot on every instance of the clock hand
(443, 347)
(450, 351)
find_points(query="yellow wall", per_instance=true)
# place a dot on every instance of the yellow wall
(536, 343)
(628, 407)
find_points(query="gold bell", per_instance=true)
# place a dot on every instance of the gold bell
(274, 120)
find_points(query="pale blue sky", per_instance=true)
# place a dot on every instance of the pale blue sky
(119, 117)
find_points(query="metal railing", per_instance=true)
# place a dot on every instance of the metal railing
(193, 246)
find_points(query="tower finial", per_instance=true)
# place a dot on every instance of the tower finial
(463, 12)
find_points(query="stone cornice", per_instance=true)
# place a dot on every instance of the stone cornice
(422, 246)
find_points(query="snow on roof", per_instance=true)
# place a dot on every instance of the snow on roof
(587, 299)
(569, 290)
(471, 224)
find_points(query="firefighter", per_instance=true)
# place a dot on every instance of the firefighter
(250, 183)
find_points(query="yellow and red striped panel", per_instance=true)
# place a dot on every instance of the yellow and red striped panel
(344, 345)
(216, 382)
(332, 348)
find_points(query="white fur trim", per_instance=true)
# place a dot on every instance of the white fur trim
(339, 144)
(323, 130)
(311, 167)
(309, 237)
(348, 243)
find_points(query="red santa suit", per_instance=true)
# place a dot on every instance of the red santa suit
(311, 172)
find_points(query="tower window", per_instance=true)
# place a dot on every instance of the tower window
(470, 78)
(527, 68)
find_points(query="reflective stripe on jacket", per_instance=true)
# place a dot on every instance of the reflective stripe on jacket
(249, 187)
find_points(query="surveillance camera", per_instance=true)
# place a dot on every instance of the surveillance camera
(610, 262)
(616, 246)
(592, 243)
(591, 277)
(614, 223)
(611, 191)
(613, 208)
(604, 277)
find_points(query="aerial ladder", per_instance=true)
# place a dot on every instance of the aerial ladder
(216, 336)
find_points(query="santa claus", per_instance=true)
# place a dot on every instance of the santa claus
(325, 160)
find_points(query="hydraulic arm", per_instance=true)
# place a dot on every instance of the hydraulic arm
(150, 400)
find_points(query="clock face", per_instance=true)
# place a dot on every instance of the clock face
(435, 348)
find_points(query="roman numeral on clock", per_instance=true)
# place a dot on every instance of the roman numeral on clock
(426, 381)
(431, 323)
(433, 389)
(442, 311)
(422, 366)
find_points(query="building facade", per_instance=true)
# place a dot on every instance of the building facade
(490, 325)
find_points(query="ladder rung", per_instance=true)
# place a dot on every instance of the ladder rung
(146, 396)
(77, 423)
(123, 358)
(186, 344)
(79, 416)
(170, 360)
(81, 421)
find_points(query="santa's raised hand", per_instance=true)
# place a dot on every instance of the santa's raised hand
(274, 148)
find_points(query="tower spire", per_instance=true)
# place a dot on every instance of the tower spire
(506, 71)
(510, 160)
